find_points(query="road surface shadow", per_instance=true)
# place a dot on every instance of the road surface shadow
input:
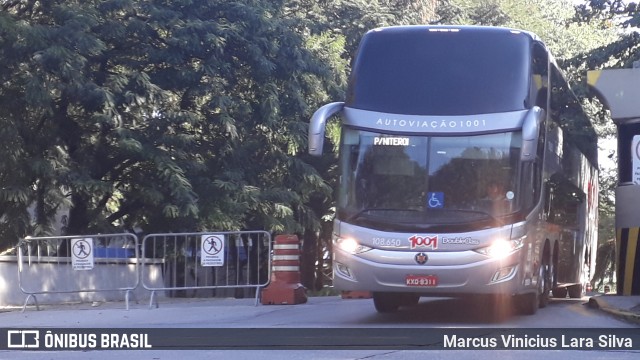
(462, 311)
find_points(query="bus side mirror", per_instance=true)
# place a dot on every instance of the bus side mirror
(530, 131)
(318, 124)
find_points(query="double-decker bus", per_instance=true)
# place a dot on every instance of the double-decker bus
(467, 167)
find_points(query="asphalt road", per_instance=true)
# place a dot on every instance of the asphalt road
(326, 313)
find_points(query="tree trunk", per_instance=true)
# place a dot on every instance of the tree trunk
(308, 259)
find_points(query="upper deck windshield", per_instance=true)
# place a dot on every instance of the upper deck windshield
(412, 183)
(438, 71)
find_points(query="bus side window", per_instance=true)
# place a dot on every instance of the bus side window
(539, 77)
(537, 181)
(540, 92)
(563, 204)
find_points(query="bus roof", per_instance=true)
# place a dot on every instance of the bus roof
(441, 70)
(455, 28)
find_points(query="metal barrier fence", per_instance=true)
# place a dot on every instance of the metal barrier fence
(208, 263)
(77, 264)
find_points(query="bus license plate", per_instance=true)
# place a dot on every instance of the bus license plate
(421, 280)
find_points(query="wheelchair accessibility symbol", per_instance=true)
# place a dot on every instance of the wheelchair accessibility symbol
(435, 200)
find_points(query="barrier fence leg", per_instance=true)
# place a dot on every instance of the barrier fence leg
(258, 290)
(35, 300)
(126, 299)
(285, 286)
(151, 300)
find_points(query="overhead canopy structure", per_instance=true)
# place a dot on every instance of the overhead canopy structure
(619, 91)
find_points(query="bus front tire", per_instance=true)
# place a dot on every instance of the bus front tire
(410, 299)
(544, 283)
(387, 302)
(527, 304)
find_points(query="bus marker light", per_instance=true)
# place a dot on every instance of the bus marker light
(344, 270)
(503, 273)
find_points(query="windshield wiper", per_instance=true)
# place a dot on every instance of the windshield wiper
(487, 214)
(389, 221)
(359, 213)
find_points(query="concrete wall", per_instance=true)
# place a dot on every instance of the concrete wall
(56, 282)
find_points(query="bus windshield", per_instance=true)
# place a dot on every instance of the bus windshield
(418, 71)
(422, 180)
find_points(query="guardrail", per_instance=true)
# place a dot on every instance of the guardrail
(82, 263)
(209, 262)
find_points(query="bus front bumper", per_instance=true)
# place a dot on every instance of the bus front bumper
(442, 274)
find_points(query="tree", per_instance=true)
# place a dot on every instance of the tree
(582, 38)
(174, 115)
(164, 115)
(15, 194)
(623, 18)
(335, 28)
(553, 21)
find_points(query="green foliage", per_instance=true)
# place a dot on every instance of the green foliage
(172, 116)
(553, 21)
(581, 38)
(168, 116)
(192, 115)
(620, 17)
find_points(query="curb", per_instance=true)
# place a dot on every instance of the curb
(619, 313)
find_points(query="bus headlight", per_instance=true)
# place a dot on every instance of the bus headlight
(501, 248)
(350, 245)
